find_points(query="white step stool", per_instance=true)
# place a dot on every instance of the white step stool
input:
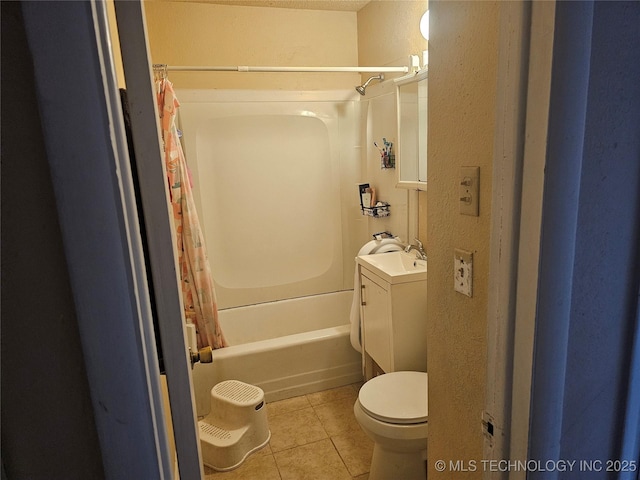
(235, 427)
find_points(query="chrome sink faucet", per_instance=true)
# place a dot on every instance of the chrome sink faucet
(420, 253)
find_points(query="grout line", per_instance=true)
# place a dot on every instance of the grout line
(273, 455)
(355, 387)
(340, 457)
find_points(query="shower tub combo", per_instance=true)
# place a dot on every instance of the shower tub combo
(295, 362)
(273, 182)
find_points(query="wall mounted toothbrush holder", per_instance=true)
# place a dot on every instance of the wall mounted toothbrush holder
(388, 161)
(387, 154)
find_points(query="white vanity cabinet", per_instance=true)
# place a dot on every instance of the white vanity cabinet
(393, 314)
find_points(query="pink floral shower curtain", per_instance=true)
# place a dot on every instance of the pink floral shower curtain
(198, 291)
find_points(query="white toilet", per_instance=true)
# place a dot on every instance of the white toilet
(392, 410)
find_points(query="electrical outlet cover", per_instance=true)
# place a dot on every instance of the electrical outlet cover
(463, 272)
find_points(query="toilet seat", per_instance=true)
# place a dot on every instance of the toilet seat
(396, 398)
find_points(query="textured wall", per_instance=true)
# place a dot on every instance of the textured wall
(462, 94)
(182, 33)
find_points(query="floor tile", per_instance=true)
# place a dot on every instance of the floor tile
(261, 467)
(334, 394)
(315, 461)
(337, 416)
(355, 449)
(266, 450)
(286, 406)
(294, 429)
(300, 447)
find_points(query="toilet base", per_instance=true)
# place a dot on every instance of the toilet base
(390, 465)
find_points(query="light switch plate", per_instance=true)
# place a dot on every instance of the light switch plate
(469, 189)
(463, 272)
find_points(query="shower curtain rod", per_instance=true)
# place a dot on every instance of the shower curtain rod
(241, 68)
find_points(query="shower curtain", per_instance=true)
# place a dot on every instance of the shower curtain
(198, 293)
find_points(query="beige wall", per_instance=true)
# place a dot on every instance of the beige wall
(182, 33)
(389, 31)
(462, 94)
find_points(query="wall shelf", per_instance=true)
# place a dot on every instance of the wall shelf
(382, 209)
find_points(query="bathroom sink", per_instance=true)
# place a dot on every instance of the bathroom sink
(395, 267)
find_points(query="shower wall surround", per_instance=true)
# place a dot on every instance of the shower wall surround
(271, 174)
(182, 33)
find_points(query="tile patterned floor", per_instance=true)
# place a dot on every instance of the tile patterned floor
(313, 437)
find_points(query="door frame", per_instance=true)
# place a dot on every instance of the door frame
(524, 82)
(87, 153)
(154, 194)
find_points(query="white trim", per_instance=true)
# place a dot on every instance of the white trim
(542, 28)
(416, 185)
(516, 233)
(505, 220)
(132, 233)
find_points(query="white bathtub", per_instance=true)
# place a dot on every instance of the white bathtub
(287, 348)
(273, 184)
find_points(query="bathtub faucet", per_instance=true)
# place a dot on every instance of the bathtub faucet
(420, 253)
(204, 355)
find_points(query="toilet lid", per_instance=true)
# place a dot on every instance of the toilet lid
(398, 397)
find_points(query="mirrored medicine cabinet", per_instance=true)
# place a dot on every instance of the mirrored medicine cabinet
(411, 159)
